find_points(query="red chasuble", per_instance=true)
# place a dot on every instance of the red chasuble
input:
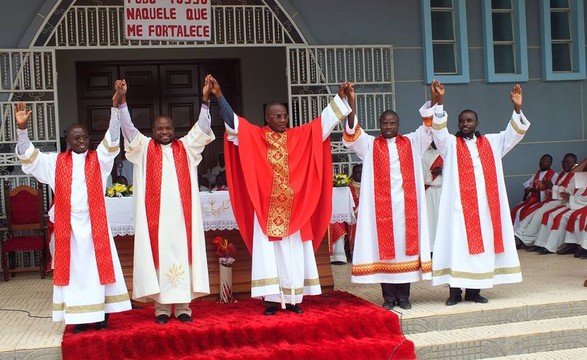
(283, 178)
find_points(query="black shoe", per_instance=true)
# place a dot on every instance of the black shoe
(544, 251)
(294, 308)
(532, 248)
(388, 304)
(162, 319)
(102, 324)
(566, 249)
(453, 300)
(270, 310)
(580, 253)
(184, 318)
(78, 328)
(404, 304)
(477, 298)
(519, 243)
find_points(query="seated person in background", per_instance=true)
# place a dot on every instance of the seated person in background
(203, 182)
(355, 186)
(529, 226)
(432, 164)
(552, 231)
(120, 180)
(575, 234)
(123, 167)
(534, 189)
(221, 184)
(220, 167)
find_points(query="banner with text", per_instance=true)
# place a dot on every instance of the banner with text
(186, 20)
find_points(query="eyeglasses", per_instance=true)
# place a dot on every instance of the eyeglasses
(279, 116)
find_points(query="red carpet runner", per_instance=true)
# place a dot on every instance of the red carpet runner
(336, 325)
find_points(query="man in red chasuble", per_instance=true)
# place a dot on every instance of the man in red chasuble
(88, 283)
(475, 246)
(391, 242)
(280, 185)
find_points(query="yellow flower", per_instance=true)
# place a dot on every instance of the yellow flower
(119, 188)
(110, 192)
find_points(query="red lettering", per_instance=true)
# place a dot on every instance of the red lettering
(179, 31)
(151, 14)
(134, 30)
(196, 14)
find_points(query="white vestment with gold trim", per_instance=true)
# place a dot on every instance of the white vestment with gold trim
(452, 263)
(84, 300)
(175, 281)
(367, 265)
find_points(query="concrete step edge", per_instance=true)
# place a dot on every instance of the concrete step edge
(523, 328)
(567, 354)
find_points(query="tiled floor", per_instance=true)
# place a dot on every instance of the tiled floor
(547, 279)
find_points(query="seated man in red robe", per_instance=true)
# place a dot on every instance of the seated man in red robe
(535, 189)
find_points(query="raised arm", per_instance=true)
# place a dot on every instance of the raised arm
(581, 166)
(226, 113)
(22, 116)
(204, 120)
(348, 90)
(516, 96)
(129, 131)
(33, 161)
(440, 132)
(118, 98)
(437, 93)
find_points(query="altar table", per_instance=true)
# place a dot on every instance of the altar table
(218, 220)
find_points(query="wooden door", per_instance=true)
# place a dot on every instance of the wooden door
(172, 88)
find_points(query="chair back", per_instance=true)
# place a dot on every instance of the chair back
(24, 208)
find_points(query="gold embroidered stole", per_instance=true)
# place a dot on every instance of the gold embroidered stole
(282, 194)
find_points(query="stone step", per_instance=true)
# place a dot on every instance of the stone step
(503, 339)
(474, 315)
(568, 354)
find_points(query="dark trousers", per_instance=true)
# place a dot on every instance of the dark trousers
(394, 292)
(456, 292)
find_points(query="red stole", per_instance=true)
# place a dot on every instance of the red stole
(563, 179)
(383, 201)
(306, 178)
(153, 192)
(534, 196)
(574, 217)
(98, 219)
(558, 218)
(468, 190)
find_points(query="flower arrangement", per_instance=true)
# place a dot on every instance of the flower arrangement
(225, 250)
(119, 190)
(340, 180)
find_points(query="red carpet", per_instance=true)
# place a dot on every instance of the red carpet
(336, 325)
